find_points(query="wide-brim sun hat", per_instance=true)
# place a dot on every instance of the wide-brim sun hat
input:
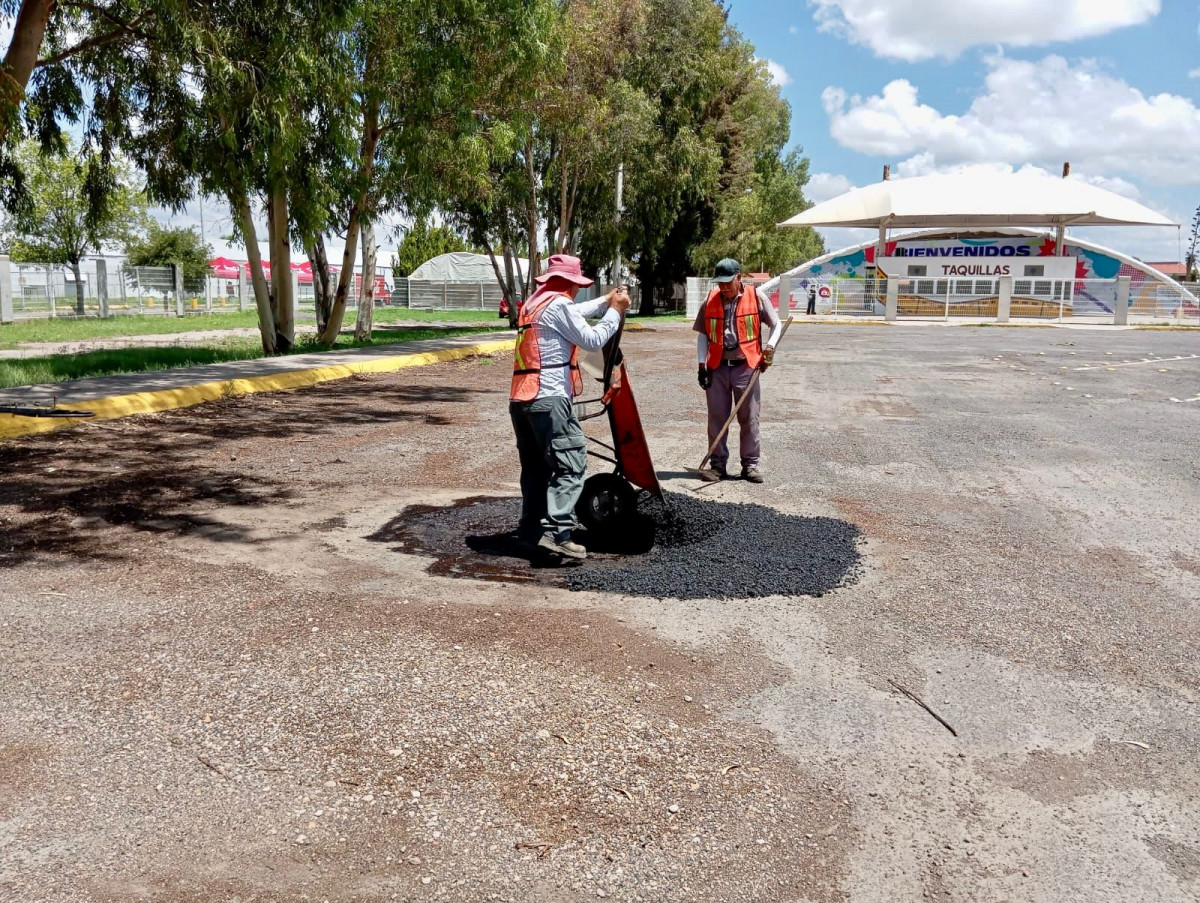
(564, 266)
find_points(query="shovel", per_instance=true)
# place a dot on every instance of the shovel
(736, 407)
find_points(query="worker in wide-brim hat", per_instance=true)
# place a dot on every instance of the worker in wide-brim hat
(551, 329)
(731, 348)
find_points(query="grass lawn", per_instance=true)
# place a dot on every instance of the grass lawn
(71, 330)
(60, 367)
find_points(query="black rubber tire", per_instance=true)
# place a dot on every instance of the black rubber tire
(608, 503)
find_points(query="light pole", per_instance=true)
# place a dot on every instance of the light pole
(616, 266)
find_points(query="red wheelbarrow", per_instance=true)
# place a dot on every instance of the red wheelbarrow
(609, 500)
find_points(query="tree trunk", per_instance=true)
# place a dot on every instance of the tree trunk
(510, 263)
(79, 305)
(29, 30)
(522, 283)
(531, 221)
(366, 295)
(239, 204)
(646, 280)
(281, 267)
(318, 259)
(505, 287)
(370, 141)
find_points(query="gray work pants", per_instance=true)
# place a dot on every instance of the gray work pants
(553, 454)
(728, 384)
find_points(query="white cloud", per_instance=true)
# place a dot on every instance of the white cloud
(1194, 73)
(922, 29)
(792, 29)
(825, 185)
(1038, 113)
(779, 75)
(837, 238)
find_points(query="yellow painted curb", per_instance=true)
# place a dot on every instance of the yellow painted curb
(12, 426)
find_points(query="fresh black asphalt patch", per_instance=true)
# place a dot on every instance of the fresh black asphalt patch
(692, 549)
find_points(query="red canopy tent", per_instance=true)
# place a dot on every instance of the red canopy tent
(303, 271)
(304, 275)
(223, 268)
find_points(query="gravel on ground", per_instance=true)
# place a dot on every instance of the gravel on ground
(229, 672)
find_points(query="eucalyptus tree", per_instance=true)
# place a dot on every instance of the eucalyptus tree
(232, 98)
(45, 35)
(719, 128)
(570, 123)
(43, 87)
(429, 80)
(1189, 261)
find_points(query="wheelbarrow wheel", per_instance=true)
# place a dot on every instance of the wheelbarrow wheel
(607, 503)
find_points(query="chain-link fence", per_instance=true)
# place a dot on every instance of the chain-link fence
(832, 297)
(98, 287)
(103, 287)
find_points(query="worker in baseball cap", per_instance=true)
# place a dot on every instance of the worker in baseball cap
(730, 348)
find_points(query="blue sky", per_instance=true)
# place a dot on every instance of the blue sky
(938, 85)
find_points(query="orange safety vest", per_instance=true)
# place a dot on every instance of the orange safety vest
(747, 327)
(527, 356)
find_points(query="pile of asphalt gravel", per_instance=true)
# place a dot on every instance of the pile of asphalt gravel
(708, 549)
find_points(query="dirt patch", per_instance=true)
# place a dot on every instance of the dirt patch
(888, 408)
(19, 763)
(232, 736)
(1185, 562)
(1182, 860)
(1111, 764)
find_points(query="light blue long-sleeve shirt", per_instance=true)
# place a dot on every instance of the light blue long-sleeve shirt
(562, 326)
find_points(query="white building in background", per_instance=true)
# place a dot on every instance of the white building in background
(958, 268)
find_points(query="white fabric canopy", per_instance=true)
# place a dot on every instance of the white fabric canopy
(979, 199)
(461, 266)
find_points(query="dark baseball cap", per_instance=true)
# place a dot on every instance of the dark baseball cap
(727, 270)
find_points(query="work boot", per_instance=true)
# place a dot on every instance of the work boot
(713, 474)
(565, 547)
(751, 475)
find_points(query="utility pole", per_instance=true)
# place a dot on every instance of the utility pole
(616, 266)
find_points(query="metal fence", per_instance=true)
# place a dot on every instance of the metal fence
(102, 287)
(107, 287)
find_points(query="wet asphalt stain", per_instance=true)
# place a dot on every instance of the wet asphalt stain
(692, 548)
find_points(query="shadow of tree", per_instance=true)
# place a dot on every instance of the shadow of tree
(63, 492)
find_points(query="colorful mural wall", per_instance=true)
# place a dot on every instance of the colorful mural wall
(1096, 269)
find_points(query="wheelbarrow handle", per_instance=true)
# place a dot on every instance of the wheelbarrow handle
(612, 350)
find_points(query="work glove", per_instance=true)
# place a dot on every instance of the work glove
(704, 377)
(768, 358)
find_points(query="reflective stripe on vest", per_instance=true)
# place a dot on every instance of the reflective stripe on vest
(527, 356)
(747, 324)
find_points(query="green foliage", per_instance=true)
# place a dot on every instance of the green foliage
(719, 129)
(161, 246)
(745, 224)
(423, 242)
(1193, 244)
(509, 116)
(60, 223)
